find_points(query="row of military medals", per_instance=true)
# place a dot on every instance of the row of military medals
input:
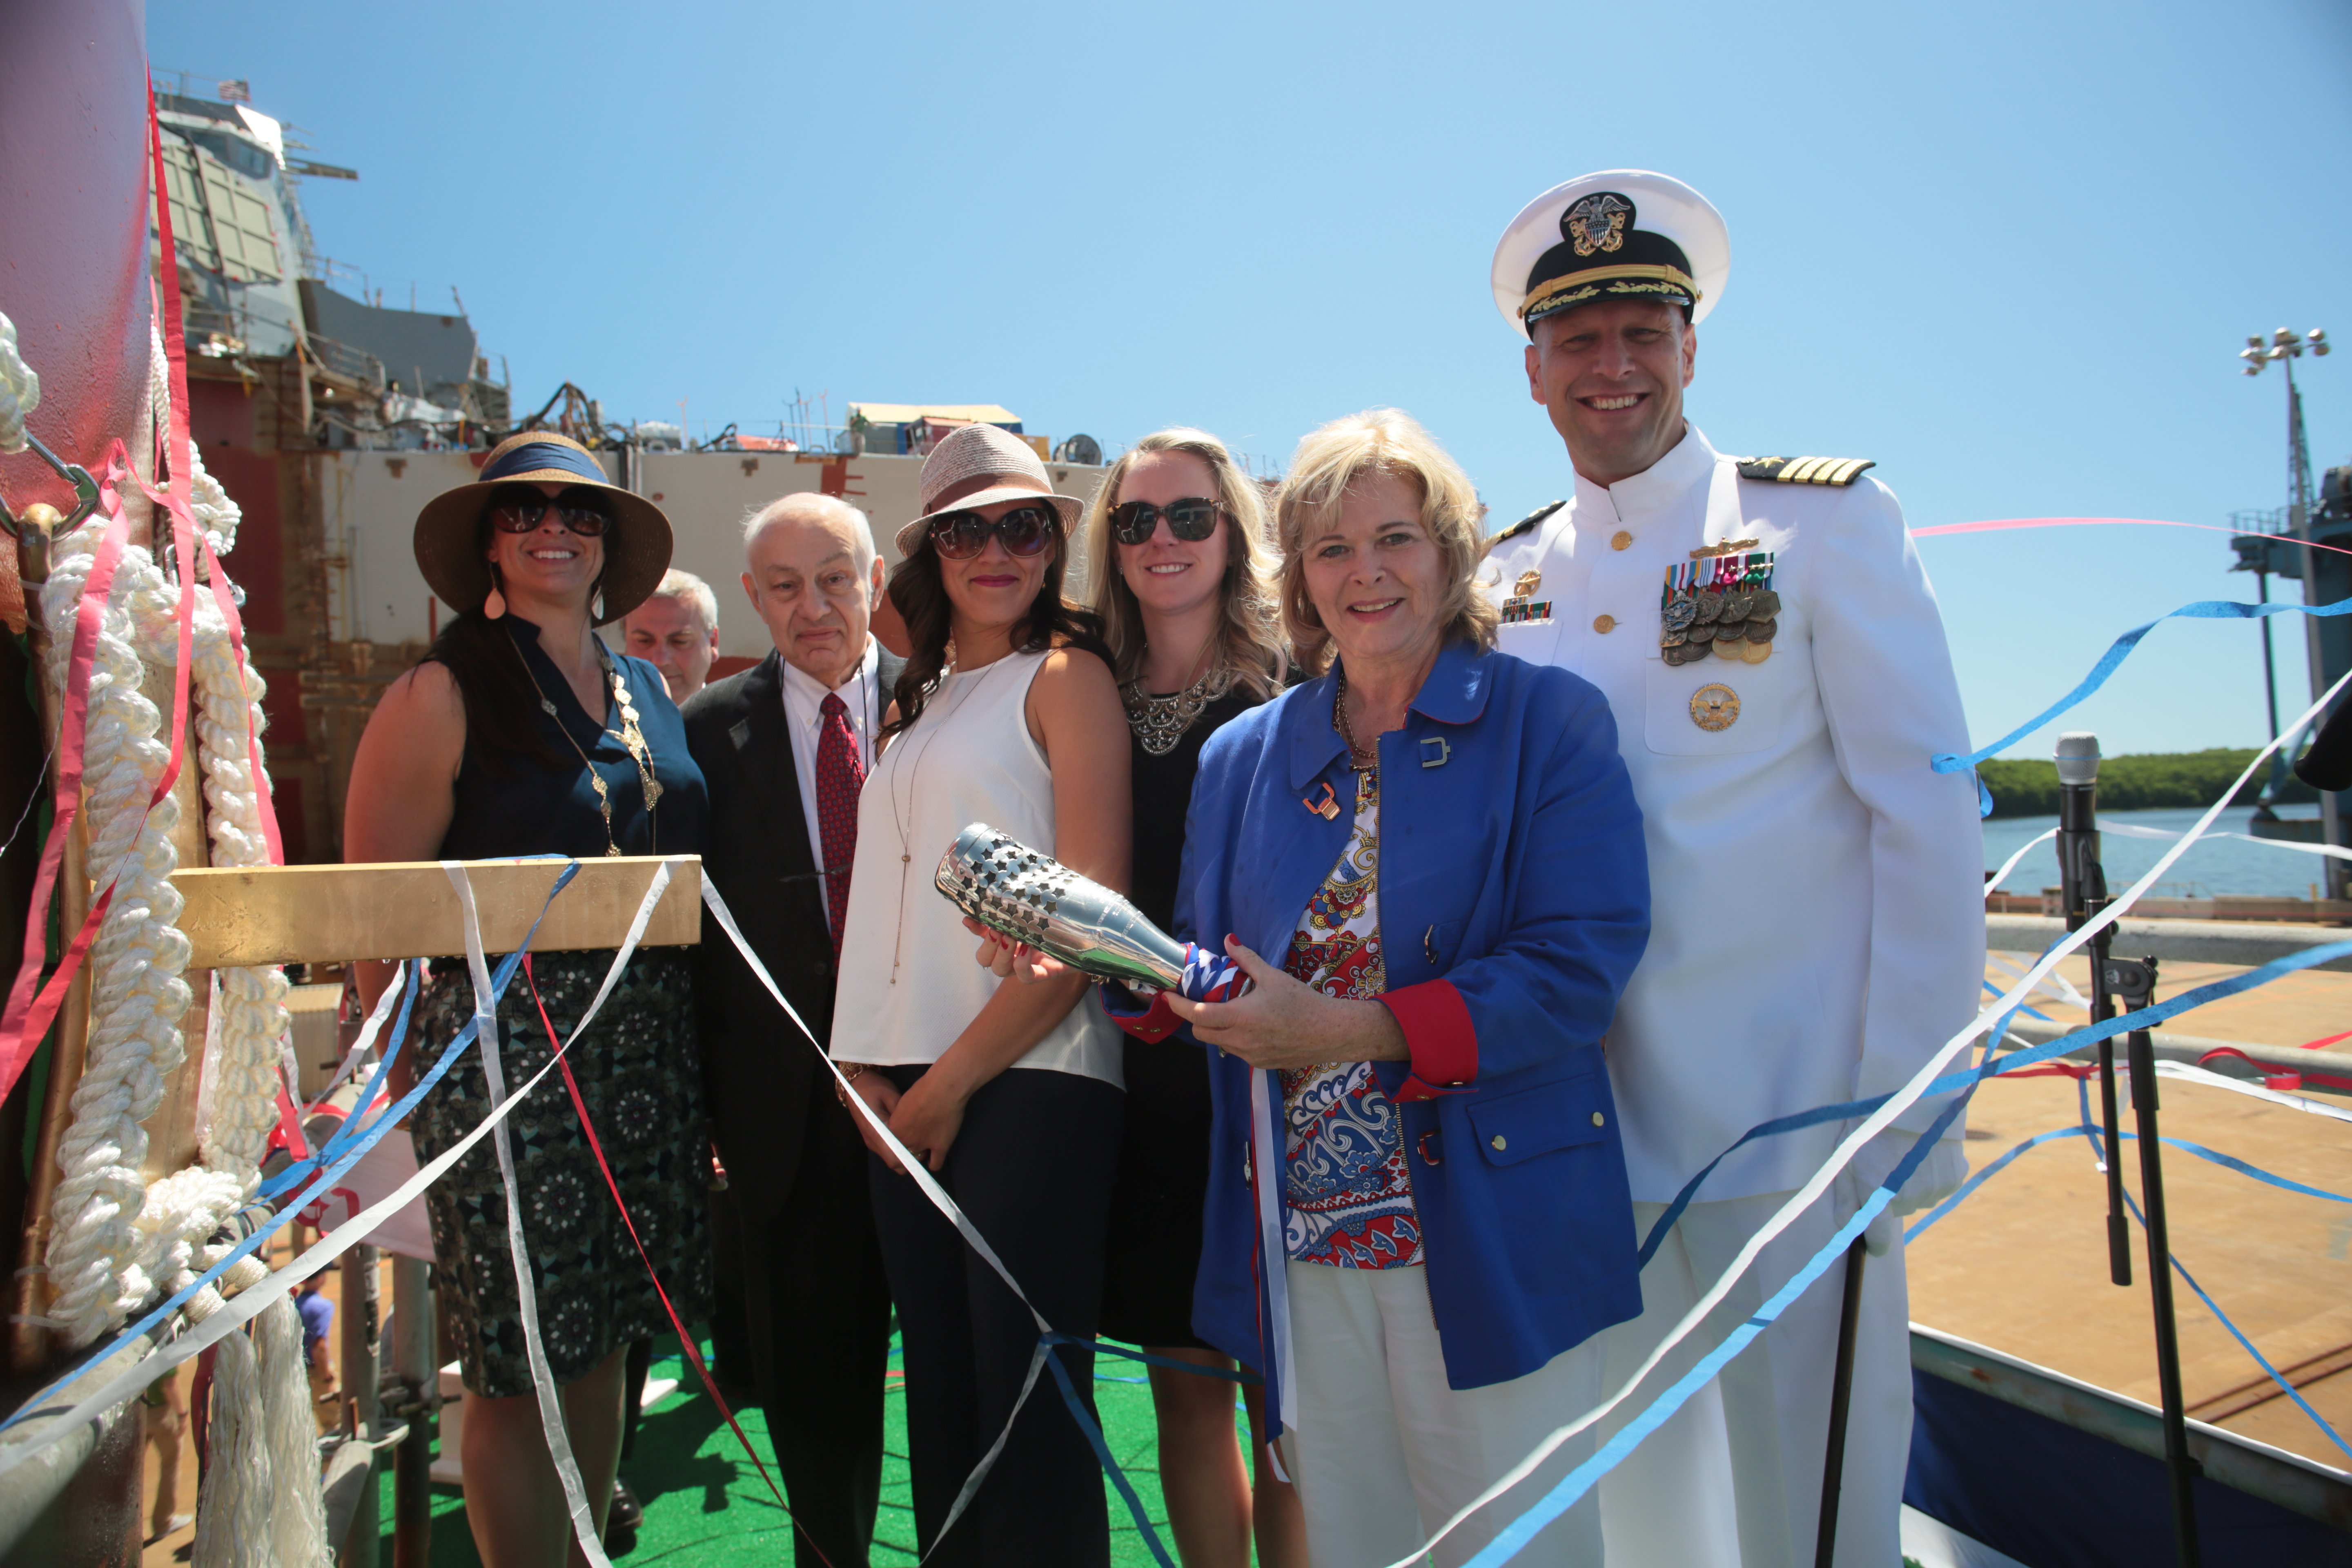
(1720, 601)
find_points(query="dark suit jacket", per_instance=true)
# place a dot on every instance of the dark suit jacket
(758, 1071)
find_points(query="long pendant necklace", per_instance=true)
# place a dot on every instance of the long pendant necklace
(629, 736)
(905, 823)
(1357, 757)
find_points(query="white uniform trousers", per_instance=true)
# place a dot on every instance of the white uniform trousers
(1672, 1502)
(1385, 1453)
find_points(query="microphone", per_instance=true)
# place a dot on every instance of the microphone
(2080, 876)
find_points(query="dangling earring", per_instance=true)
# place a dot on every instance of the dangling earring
(494, 606)
(599, 607)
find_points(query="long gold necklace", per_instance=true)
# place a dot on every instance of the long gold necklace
(1356, 755)
(906, 824)
(640, 751)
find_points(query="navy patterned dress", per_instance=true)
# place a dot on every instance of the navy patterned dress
(637, 1069)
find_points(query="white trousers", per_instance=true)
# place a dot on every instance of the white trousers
(1385, 1453)
(1737, 1479)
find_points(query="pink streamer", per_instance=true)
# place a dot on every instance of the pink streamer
(2009, 522)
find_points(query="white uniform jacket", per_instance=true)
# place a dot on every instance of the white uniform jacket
(1817, 925)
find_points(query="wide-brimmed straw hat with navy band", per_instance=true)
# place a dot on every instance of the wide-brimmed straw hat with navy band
(449, 530)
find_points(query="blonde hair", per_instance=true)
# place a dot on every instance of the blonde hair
(1384, 441)
(1249, 642)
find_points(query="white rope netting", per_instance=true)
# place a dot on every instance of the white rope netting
(115, 1240)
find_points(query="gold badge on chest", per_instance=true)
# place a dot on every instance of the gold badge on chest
(1715, 707)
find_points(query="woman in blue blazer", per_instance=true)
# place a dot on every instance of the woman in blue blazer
(1429, 860)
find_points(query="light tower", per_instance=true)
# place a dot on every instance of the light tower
(2284, 347)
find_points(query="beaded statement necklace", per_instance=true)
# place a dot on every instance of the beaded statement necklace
(1160, 722)
(629, 735)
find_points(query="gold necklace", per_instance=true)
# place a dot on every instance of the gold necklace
(906, 824)
(1356, 758)
(640, 751)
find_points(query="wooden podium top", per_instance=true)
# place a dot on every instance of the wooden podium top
(312, 914)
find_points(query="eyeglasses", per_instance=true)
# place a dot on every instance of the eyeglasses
(961, 535)
(1193, 519)
(521, 509)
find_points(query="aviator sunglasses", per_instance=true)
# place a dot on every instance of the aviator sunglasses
(1192, 518)
(961, 535)
(521, 509)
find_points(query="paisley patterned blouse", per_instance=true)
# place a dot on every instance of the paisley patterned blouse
(1351, 1197)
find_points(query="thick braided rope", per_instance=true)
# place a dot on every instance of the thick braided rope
(217, 514)
(137, 996)
(20, 390)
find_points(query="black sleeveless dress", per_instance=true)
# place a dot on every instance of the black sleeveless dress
(637, 1069)
(1163, 1157)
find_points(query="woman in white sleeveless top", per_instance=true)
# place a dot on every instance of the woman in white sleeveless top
(1010, 1093)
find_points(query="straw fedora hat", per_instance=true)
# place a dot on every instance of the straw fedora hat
(448, 539)
(979, 465)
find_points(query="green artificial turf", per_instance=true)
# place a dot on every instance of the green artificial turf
(706, 1504)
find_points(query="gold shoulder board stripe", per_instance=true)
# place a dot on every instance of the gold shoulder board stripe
(1524, 523)
(1805, 470)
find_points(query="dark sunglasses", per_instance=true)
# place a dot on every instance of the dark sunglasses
(961, 535)
(521, 509)
(1192, 518)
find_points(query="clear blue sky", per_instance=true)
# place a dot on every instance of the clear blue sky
(2006, 249)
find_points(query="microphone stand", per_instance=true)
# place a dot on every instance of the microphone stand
(2134, 984)
(2083, 882)
(2083, 891)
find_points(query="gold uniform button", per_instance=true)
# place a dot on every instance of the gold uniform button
(1497, 1142)
(1598, 1120)
(1604, 623)
(1622, 540)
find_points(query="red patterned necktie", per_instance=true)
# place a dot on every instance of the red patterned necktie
(840, 774)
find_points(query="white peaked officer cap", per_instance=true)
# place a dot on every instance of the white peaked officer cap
(1622, 234)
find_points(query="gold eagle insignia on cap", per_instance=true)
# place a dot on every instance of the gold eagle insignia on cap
(1805, 470)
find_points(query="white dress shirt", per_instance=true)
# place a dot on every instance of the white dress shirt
(804, 696)
(1817, 914)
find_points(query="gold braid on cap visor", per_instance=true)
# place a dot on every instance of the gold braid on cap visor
(1632, 279)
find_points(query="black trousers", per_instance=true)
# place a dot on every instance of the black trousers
(818, 1326)
(1032, 1167)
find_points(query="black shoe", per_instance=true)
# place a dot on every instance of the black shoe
(627, 1512)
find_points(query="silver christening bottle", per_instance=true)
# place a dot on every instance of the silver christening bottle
(1032, 898)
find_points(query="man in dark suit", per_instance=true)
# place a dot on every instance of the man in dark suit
(784, 747)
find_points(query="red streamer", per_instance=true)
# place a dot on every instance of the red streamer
(685, 1339)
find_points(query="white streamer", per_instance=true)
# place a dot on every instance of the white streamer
(368, 1032)
(485, 1039)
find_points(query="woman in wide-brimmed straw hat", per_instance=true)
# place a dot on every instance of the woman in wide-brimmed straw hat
(1006, 713)
(521, 733)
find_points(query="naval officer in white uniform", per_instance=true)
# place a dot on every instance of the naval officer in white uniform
(1771, 647)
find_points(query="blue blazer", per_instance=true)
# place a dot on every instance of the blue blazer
(1514, 903)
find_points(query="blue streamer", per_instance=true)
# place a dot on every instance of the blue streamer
(244, 1248)
(2146, 1017)
(2086, 1130)
(2021, 1007)
(2203, 610)
(1102, 1450)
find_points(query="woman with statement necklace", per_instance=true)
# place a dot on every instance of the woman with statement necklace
(521, 733)
(1011, 1093)
(1175, 545)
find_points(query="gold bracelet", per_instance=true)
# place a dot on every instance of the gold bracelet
(850, 1073)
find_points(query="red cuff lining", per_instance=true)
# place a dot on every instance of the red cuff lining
(1439, 1033)
(1151, 1026)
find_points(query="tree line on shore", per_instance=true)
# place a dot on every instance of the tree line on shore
(2026, 786)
